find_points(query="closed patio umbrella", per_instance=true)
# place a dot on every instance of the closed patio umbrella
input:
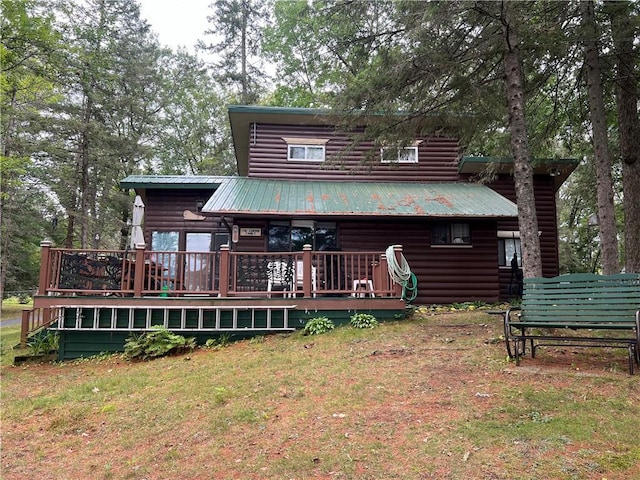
(137, 235)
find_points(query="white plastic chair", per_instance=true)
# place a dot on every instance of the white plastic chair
(278, 274)
(300, 278)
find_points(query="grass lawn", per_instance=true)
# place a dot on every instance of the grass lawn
(10, 335)
(12, 308)
(429, 397)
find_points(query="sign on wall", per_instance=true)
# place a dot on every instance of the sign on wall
(250, 232)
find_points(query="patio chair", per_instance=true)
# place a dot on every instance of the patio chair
(279, 274)
(299, 283)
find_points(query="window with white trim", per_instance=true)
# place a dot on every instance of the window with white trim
(399, 155)
(450, 234)
(310, 153)
(300, 149)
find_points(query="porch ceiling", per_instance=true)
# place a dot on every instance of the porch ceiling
(239, 196)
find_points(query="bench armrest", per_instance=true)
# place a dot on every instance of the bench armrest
(507, 314)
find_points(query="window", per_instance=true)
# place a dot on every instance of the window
(300, 149)
(292, 236)
(450, 234)
(312, 153)
(164, 241)
(508, 245)
(399, 155)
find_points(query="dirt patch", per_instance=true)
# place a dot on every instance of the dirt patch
(433, 397)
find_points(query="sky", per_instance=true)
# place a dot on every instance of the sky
(177, 22)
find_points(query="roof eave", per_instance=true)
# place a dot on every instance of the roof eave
(559, 168)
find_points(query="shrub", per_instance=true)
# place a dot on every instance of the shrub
(43, 343)
(157, 343)
(363, 320)
(221, 341)
(318, 325)
(24, 298)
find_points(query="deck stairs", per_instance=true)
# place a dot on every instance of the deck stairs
(226, 318)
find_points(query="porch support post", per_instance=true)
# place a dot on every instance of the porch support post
(381, 275)
(223, 288)
(45, 266)
(397, 252)
(306, 270)
(138, 275)
(24, 328)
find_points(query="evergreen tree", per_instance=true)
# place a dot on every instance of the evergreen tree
(103, 120)
(599, 125)
(193, 135)
(625, 29)
(236, 26)
(26, 59)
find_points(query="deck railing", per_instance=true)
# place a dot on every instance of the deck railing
(35, 319)
(226, 274)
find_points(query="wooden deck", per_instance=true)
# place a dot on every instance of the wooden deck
(113, 292)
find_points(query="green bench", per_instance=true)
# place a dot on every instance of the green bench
(576, 309)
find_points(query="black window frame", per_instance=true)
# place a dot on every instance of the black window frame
(297, 238)
(445, 234)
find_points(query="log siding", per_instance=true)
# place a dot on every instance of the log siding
(437, 157)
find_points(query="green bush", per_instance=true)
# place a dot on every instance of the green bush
(157, 343)
(318, 325)
(363, 320)
(43, 343)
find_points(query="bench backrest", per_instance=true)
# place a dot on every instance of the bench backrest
(582, 298)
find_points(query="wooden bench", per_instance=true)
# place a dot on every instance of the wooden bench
(579, 310)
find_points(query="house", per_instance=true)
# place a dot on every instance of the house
(297, 186)
(310, 226)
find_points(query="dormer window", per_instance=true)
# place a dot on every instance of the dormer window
(399, 155)
(305, 149)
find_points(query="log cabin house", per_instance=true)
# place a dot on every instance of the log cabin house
(310, 227)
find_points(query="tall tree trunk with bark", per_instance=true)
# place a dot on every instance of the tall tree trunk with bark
(627, 82)
(598, 115)
(523, 171)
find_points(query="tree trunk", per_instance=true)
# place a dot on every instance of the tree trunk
(628, 127)
(83, 152)
(245, 82)
(598, 115)
(523, 171)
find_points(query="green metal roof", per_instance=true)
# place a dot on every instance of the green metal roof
(171, 181)
(251, 196)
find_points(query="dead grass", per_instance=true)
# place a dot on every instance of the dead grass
(431, 397)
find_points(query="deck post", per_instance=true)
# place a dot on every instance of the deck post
(223, 288)
(381, 275)
(306, 270)
(24, 328)
(138, 275)
(45, 266)
(397, 252)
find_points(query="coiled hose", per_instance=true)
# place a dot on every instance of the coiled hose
(401, 274)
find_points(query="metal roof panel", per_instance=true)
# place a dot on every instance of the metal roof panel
(250, 196)
(171, 181)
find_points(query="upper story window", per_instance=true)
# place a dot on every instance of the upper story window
(399, 155)
(306, 152)
(450, 234)
(305, 149)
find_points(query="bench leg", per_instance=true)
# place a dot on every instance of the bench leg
(633, 354)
